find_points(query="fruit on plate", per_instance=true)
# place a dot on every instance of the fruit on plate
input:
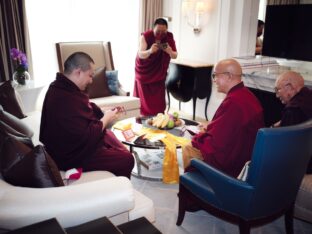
(164, 120)
(170, 124)
(175, 115)
(178, 122)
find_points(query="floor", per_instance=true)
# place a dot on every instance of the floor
(165, 201)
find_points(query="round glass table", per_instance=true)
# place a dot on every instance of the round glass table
(149, 154)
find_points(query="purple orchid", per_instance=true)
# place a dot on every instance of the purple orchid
(21, 60)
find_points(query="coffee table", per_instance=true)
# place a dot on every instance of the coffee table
(138, 144)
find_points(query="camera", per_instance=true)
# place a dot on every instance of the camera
(162, 46)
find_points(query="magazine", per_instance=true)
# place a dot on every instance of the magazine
(152, 160)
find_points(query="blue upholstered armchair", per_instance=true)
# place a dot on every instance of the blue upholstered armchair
(279, 160)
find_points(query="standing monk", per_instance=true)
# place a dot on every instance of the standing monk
(157, 47)
(73, 129)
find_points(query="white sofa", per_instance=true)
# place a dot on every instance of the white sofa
(94, 195)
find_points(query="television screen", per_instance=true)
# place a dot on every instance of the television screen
(288, 32)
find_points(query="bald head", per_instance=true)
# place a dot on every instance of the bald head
(228, 73)
(293, 78)
(288, 85)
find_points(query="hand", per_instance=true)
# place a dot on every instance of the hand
(109, 117)
(202, 126)
(154, 48)
(168, 49)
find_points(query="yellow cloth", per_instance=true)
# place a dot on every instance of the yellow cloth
(170, 163)
(122, 125)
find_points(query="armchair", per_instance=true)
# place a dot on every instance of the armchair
(101, 53)
(279, 160)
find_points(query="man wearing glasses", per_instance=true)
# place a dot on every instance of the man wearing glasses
(228, 140)
(289, 88)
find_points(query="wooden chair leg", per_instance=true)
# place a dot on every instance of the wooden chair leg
(182, 204)
(244, 227)
(181, 213)
(289, 222)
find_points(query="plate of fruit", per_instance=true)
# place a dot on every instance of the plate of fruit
(165, 121)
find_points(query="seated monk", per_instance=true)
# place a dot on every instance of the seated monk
(227, 142)
(73, 129)
(289, 88)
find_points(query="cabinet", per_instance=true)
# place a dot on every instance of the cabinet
(188, 80)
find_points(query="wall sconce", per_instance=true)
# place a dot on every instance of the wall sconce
(193, 11)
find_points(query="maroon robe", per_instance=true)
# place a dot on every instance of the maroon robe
(150, 76)
(228, 141)
(298, 109)
(72, 133)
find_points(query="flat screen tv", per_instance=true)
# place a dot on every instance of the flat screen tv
(288, 32)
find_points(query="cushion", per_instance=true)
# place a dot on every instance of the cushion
(15, 123)
(8, 100)
(112, 81)
(99, 86)
(16, 135)
(22, 166)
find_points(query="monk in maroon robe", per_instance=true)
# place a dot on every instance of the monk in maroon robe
(73, 130)
(289, 88)
(157, 47)
(228, 140)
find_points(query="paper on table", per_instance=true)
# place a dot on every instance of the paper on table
(193, 128)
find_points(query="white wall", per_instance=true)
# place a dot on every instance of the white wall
(229, 30)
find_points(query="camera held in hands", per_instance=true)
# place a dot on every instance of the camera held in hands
(162, 46)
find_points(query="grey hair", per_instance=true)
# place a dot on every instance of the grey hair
(77, 60)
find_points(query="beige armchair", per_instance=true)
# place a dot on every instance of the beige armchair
(101, 53)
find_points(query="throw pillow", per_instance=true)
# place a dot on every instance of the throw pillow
(8, 100)
(16, 135)
(99, 86)
(26, 167)
(113, 82)
(15, 123)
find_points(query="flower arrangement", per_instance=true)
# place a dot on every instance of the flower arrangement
(20, 75)
(20, 59)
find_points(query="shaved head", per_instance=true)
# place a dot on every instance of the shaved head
(288, 85)
(293, 78)
(231, 66)
(228, 73)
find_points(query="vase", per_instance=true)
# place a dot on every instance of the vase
(21, 77)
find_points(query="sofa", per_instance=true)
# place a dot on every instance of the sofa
(303, 204)
(101, 53)
(94, 195)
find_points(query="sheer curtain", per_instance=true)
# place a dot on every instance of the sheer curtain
(149, 11)
(12, 34)
(83, 20)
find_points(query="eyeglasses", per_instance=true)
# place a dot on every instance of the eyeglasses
(277, 90)
(214, 75)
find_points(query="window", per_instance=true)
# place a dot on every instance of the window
(81, 20)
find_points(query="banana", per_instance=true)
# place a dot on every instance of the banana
(161, 119)
(158, 120)
(165, 121)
